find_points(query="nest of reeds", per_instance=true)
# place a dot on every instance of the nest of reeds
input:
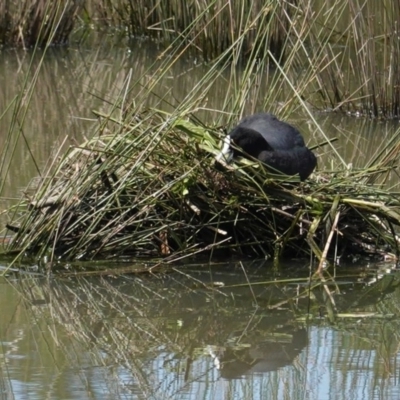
(152, 188)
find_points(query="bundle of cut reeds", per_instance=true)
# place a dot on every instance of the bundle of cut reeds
(152, 188)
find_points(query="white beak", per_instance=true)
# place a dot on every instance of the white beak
(226, 154)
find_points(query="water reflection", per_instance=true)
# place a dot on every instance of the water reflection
(262, 355)
(202, 332)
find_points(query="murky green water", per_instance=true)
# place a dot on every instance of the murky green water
(175, 337)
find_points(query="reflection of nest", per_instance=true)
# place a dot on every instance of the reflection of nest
(132, 317)
(174, 323)
(262, 356)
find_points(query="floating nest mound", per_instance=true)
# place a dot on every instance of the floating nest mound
(152, 188)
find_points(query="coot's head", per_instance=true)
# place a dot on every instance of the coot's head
(242, 140)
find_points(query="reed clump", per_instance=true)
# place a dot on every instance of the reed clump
(209, 28)
(27, 23)
(361, 41)
(149, 187)
(352, 47)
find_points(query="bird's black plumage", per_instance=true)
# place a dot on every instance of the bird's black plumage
(274, 142)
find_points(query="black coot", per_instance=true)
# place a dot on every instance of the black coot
(274, 142)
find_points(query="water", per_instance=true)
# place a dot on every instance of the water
(173, 336)
(209, 336)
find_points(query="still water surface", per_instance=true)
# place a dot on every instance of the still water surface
(175, 337)
(207, 336)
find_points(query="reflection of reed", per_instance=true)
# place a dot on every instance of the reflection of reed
(147, 331)
(144, 324)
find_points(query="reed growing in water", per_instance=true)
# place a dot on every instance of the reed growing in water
(353, 45)
(27, 23)
(207, 27)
